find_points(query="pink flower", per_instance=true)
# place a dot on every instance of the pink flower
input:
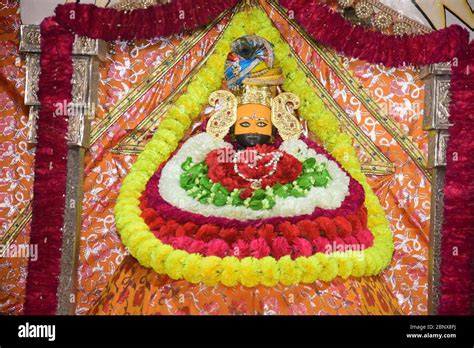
(365, 238)
(259, 248)
(182, 243)
(198, 247)
(217, 247)
(351, 242)
(280, 247)
(240, 248)
(301, 247)
(322, 245)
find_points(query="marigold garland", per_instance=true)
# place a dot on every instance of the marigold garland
(249, 271)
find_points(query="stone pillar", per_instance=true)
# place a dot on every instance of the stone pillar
(86, 55)
(436, 122)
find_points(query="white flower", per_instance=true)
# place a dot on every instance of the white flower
(198, 146)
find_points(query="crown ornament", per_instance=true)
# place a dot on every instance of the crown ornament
(252, 79)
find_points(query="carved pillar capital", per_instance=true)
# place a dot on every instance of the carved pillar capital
(86, 55)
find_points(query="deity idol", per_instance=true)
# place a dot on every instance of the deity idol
(251, 184)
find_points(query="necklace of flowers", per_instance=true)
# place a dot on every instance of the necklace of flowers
(257, 183)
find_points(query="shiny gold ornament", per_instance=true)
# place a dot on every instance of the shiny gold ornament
(283, 118)
(345, 3)
(364, 9)
(256, 95)
(225, 117)
(401, 28)
(382, 20)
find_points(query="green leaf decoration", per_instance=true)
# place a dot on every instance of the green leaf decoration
(259, 194)
(206, 183)
(186, 165)
(309, 163)
(304, 181)
(220, 199)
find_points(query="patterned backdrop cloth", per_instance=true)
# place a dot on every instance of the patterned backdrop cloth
(381, 108)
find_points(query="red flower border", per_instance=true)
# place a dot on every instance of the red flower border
(332, 30)
(49, 188)
(457, 243)
(57, 37)
(323, 25)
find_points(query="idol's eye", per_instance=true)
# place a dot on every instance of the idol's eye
(262, 124)
(245, 124)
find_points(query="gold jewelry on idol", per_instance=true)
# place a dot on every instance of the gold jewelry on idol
(282, 109)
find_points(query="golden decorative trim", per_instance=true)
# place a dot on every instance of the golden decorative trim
(18, 224)
(129, 5)
(359, 91)
(365, 12)
(256, 95)
(131, 143)
(283, 118)
(416, 27)
(380, 164)
(224, 117)
(136, 93)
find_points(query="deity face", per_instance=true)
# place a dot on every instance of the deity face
(253, 125)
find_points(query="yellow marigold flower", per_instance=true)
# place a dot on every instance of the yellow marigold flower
(230, 271)
(289, 273)
(174, 126)
(329, 272)
(192, 268)
(249, 272)
(270, 271)
(309, 267)
(144, 250)
(174, 263)
(358, 265)
(344, 265)
(211, 268)
(158, 257)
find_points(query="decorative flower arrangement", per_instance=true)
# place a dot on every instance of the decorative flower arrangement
(280, 200)
(249, 271)
(333, 30)
(326, 27)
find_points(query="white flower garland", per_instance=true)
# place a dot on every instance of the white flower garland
(198, 146)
